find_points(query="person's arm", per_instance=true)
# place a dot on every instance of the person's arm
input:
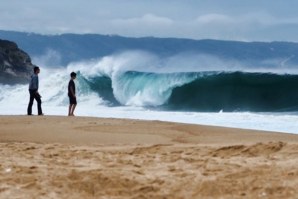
(37, 85)
(34, 83)
(72, 91)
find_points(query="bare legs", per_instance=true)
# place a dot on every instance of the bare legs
(71, 109)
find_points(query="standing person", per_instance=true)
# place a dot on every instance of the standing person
(33, 90)
(72, 94)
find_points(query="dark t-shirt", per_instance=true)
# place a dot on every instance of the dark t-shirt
(71, 84)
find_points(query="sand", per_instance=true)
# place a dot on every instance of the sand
(80, 157)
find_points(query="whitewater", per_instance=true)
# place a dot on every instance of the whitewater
(139, 85)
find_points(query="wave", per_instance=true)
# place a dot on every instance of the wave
(200, 91)
(184, 91)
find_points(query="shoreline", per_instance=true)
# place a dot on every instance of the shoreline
(88, 130)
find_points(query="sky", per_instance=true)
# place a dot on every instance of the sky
(241, 20)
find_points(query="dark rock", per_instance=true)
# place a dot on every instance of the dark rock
(15, 64)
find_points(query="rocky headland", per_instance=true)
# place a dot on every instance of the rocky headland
(15, 64)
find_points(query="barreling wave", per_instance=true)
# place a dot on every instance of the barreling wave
(200, 91)
(238, 91)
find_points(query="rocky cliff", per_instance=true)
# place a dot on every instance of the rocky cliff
(15, 64)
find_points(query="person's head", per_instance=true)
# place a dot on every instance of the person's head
(36, 69)
(73, 75)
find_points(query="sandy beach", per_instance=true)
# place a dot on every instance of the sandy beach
(81, 157)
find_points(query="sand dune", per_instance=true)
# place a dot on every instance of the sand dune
(76, 157)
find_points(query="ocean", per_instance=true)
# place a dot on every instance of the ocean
(138, 88)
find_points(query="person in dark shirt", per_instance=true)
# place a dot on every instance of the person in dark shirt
(72, 94)
(34, 94)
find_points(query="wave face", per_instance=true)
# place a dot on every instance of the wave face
(238, 91)
(200, 91)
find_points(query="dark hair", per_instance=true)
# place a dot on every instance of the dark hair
(73, 74)
(35, 69)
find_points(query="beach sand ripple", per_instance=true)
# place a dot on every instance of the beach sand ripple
(162, 168)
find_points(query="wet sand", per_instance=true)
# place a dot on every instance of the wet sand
(80, 157)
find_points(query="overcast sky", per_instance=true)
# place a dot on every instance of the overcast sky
(244, 20)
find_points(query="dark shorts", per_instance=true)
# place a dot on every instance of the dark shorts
(72, 100)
